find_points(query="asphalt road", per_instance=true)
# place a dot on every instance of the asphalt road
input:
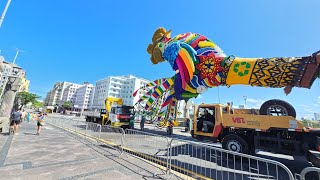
(214, 163)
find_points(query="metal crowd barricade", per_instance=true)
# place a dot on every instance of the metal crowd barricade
(202, 161)
(184, 158)
(149, 146)
(93, 130)
(112, 136)
(80, 126)
(309, 173)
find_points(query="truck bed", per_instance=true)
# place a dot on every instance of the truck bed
(92, 114)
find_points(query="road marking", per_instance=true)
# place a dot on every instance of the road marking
(4, 151)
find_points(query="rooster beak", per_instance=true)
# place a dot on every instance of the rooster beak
(168, 34)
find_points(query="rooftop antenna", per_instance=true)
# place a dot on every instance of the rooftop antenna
(15, 58)
(4, 12)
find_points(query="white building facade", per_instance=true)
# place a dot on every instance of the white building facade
(118, 87)
(57, 94)
(7, 70)
(184, 109)
(69, 93)
(83, 97)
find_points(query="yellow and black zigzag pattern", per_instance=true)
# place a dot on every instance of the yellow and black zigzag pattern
(277, 72)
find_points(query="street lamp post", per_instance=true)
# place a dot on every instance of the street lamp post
(245, 101)
(4, 12)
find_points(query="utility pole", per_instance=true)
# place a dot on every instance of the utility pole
(245, 101)
(4, 12)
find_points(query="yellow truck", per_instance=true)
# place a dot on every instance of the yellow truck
(272, 128)
(116, 114)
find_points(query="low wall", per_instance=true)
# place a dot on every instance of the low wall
(4, 121)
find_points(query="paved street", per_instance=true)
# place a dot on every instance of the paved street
(295, 164)
(56, 154)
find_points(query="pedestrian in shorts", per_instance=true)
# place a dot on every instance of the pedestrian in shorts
(40, 122)
(15, 121)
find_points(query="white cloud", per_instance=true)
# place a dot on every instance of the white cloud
(255, 103)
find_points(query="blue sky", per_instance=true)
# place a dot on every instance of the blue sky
(82, 40)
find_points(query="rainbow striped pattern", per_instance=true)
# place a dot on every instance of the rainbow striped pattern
(199, 64)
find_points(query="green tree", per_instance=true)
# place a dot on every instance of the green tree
(37, 104)
(310, 123)
(23, 98)
(67, 105)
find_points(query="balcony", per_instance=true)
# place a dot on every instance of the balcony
(114, 86)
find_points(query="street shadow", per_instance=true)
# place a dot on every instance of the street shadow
(164, 133)
(34, 134)
(83, 127)
(292, 165)
(111, 155)
(5, 134)
(217, 164)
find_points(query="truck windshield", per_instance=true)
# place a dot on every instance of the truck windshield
(124, 110)
(209, 111)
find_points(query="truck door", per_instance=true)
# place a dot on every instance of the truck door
(218, 126)
(113, 115)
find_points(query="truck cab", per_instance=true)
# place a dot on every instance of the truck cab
(119, 116)
(206, 121)
(115, 114)
(245, 130)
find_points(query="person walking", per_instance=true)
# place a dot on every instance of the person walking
(28, 117)
(142, 121)
(24, 114)
(40, 122)
(15, 121)
(131, 122)
(170, 126)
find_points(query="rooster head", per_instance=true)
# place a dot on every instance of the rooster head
(159, 38)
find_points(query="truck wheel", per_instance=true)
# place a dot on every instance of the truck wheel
(192, 133)
(277, 107)
(108, 123)
(235, 143)
(199, 138)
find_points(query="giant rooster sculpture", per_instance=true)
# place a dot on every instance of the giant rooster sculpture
(199, 64)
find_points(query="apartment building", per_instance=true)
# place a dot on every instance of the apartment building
(69, 93)
(56, 94)
(118, 87)
(24, 86)
(80, 95)
(83, 97)
(6, 70)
